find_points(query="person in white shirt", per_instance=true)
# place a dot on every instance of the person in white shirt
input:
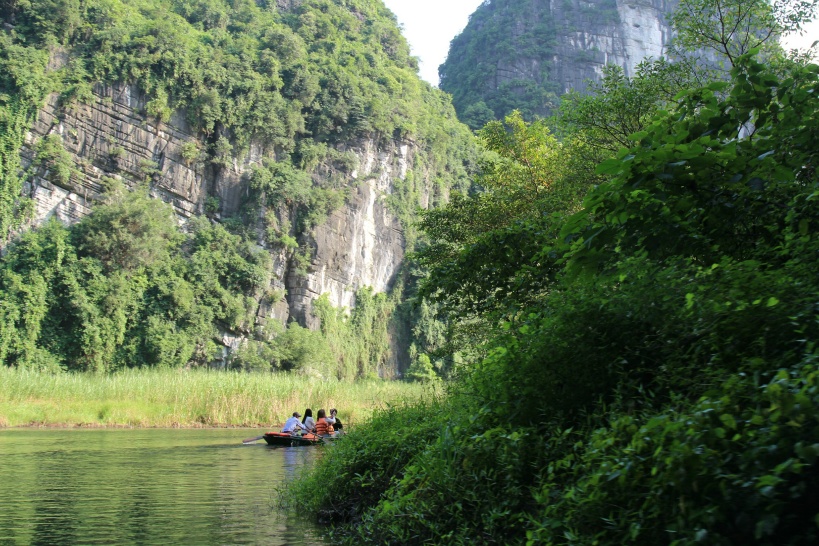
(334, 420)
(308, 422)
(293, 425)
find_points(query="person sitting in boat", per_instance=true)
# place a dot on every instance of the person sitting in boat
(334, 420)
(308, 422)
(323, 428)
(293, 425)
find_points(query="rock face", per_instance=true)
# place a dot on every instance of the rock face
(593, 34)
(361, 244)
(113, 138)
(524, 54)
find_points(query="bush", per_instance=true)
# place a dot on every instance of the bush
(733, 468)
(304, 351)
(52, 156)
(252, 356)
(353, 475)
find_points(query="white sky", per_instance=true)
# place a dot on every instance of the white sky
(429, 26)
(809, 35)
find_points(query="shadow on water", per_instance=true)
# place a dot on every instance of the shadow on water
(147, 486)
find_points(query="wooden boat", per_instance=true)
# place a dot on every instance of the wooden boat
(287, 439)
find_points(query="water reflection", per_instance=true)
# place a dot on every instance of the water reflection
(147, 487)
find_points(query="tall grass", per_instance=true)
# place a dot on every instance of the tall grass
(185, 398)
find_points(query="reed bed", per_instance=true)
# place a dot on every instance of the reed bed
(186, 398)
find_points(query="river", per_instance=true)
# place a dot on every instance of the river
(148, 486)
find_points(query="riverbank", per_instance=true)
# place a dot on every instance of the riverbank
(185, 398)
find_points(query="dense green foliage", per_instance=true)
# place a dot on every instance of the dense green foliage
(120, 289)
(369, 461)
(333, 71)
(482, 243)
(325, 69)
(651, 375)
(23, 84)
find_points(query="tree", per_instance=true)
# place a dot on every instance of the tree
(131, 232)
(619, 106)
(708, 180)
(28, 272)
(521, 169)
(477, 114)
(732, 28)
(484, 256)
(302, 350)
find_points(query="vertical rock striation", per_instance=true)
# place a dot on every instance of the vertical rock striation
(593, 34)
(361, 244)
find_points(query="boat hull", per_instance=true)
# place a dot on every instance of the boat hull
(285, 439)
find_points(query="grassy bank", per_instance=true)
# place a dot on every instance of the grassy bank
(184, 398)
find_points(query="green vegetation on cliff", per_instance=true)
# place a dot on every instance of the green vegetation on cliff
(23, 85)
(331, 70)
(297, 81)
(305, 82)
(120, 289)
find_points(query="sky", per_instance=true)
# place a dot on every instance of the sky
(809, 35)
(429, 26)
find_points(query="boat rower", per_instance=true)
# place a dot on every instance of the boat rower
(293, 425)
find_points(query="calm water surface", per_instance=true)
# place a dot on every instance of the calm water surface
(148, 486)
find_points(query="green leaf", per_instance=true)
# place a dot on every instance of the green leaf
(717, 86)
(728, 420)
(689, 300)
(610, 166)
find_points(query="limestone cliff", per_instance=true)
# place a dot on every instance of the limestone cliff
(594, 34)
(524, 54)
(360, 244)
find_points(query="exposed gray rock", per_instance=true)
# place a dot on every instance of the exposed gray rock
(590, 36)
(361, 244)
(112, 137)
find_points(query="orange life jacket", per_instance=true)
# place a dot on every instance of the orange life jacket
(323, 427)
